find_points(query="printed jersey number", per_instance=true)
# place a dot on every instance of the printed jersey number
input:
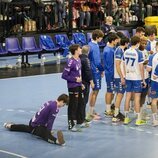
(130, 61)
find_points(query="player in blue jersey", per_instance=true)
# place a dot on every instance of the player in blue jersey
(72, 74)
(42, 122)
(97, 71)
(134, 75)
(108, 58)
(119, 77)
(152, 66)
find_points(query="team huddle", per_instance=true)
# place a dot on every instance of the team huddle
(130, 69)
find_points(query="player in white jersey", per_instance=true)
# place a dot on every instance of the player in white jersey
(152, 66)
(119, 78)
(134, 75)
(151, 44)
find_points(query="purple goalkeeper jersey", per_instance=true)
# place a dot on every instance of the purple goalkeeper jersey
(71, 72)
(46, 115)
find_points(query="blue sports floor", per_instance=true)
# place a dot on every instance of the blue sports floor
(21, 97)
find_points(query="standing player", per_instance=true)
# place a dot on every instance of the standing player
(97, 71)
(143, 43)
(72, 74)
(119, 78)
(108, 57)
(152, 66)
(140, 32)
(151, 44)
(134, 75)
(87, 78)
(41, 124)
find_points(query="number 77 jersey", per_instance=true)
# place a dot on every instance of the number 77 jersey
(132, 59)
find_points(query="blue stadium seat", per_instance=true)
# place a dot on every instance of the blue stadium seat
(89, 36)
(133, 32)
(29, 45)
(79, 38)
(125, 32)
(46, 43)
(12, 46)
(2, 51)
(63, 43)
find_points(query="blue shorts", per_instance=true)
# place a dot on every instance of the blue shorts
(97, 81)
(154, 90)
(118, 86)
(147, 86)
(134, 86)
(110, 85)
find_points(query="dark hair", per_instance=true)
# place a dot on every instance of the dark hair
(64, 98)
(73, 48)
(124, 40)
(151, 32)
(120, 34)
(112, 37)
(97, 33)
(140, 29)
(135, 40)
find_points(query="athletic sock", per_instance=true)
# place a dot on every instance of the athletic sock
(108, 107)
(116, 112)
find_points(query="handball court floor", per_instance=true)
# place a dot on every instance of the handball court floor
(21, 97)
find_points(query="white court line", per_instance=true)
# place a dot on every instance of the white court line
(32, 111)
(139, 129)
(10, 110)
(149, 132)
(10, 153)
(21, 111)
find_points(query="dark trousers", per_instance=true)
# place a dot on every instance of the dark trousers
(40, 131)
(76, 106)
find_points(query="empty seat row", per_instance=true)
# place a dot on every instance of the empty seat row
(46, 44)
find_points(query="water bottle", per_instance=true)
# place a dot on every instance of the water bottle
(69, 55)
(19, 60)
(43, 58)
(58, 58)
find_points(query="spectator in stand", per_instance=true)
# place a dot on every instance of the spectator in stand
(59, 10)
(49, 18)
(108, 27)
(85, 14)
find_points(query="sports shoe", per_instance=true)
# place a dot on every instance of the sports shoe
(60, 138)
(76, 128)
(140, 122)
(116, 119)
(155, 123)
(84, 125)
(127, 120)
(121, 116)
(7, 125)
(96, 117)
(96, 113)
(108, 114)
(89, 118)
